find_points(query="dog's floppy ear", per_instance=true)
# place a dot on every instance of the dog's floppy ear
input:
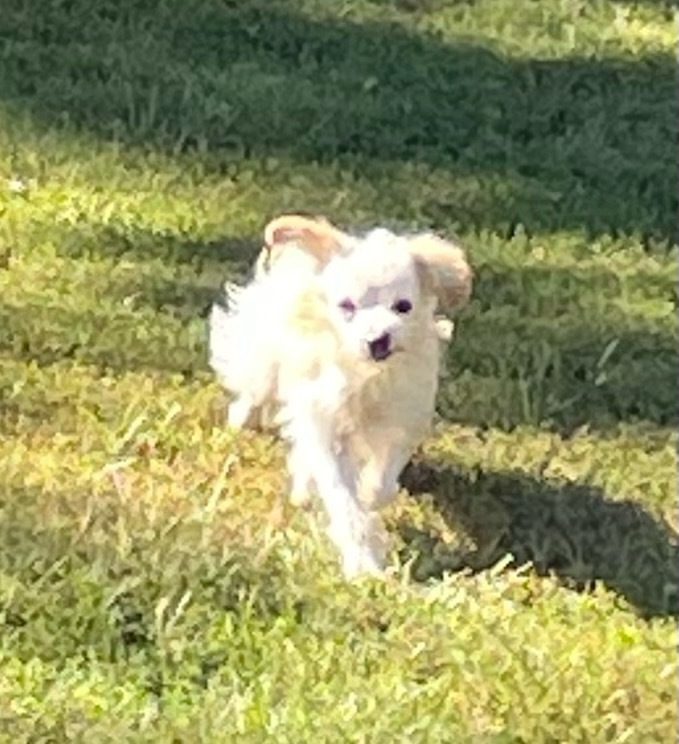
(317, 236)
(443, 268)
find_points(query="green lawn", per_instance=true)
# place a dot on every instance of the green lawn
(153, 584)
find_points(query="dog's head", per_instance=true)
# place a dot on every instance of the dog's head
(385, 290)
(382, 288)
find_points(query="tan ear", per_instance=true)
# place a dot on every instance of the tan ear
(315, 235)
(443, 268)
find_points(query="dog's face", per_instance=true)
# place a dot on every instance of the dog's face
(378, 287)
(374, 295)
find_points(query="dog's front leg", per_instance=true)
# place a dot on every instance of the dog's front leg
(357, 533)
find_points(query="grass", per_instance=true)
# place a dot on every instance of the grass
(153, 585)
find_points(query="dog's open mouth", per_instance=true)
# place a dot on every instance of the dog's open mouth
(380, 348)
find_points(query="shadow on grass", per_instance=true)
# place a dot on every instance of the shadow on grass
(230, 253)
(572, 531)
(471, 137)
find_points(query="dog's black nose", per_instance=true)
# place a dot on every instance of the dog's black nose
(380, 347)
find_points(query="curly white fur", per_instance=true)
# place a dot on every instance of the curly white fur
(337, 336)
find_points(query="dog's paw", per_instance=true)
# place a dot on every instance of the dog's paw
(378, 498)
(362, 564)
(376, 489)
(362, 572)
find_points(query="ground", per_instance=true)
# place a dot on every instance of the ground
(153, 586)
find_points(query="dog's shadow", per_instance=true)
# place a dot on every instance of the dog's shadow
(573, 532)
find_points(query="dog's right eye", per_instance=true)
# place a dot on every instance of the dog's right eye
(348, 307)
(402, 306)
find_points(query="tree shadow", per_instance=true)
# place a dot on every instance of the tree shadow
(231, 254)
(461, 134)
(574, 532)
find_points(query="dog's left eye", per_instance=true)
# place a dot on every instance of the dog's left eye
(402, 306)
(348, 307)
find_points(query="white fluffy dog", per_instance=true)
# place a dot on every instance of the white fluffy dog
(337, 337)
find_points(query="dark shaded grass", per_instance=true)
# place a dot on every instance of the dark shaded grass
(567, 143)
(573, 531)
(561, 346)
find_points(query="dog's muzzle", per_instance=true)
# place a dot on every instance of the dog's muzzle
(380, 347)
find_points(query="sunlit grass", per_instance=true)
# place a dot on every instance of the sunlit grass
(154, 583)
